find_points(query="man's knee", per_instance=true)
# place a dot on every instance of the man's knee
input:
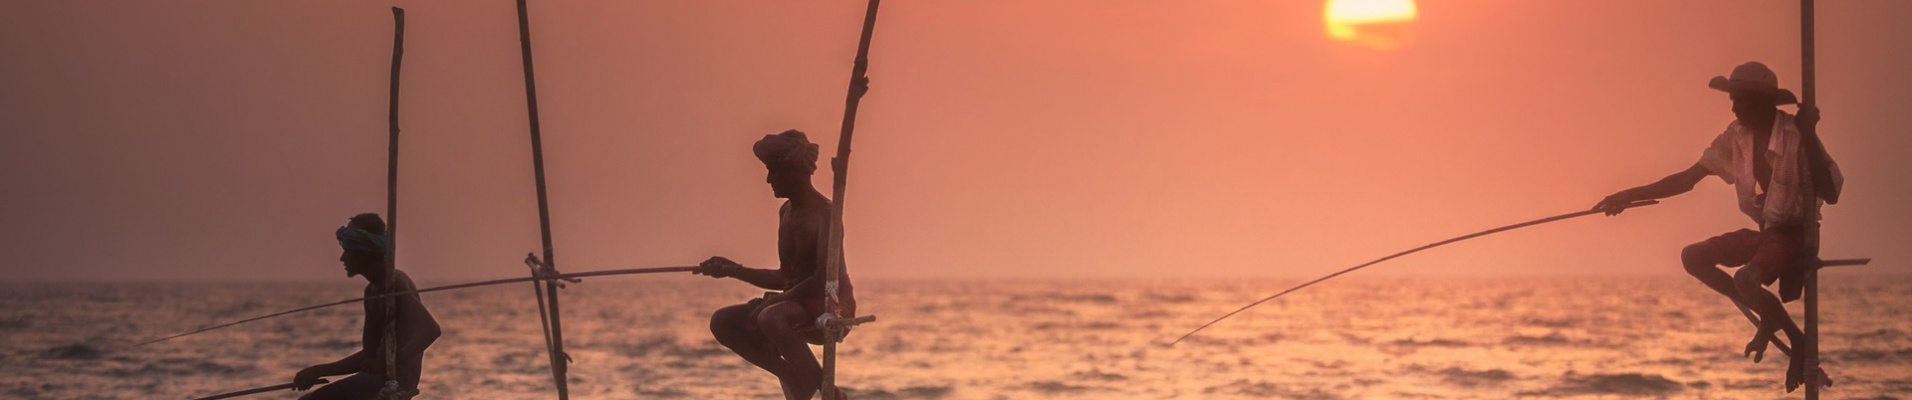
(729, 319)
(1699, 257)
(779, 317)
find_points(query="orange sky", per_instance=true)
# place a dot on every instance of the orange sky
(226, 139)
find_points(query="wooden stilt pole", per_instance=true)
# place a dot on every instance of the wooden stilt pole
(1807, 99)
(390, 342)
(554, 322)
(833, 236)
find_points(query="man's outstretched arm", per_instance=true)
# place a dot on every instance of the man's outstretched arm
(719, 267)
(1671, 185)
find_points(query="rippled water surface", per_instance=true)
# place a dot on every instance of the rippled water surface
(646, 337)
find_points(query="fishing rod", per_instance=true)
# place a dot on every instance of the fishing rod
(253, 391)
(494, 282)
(1412, 251)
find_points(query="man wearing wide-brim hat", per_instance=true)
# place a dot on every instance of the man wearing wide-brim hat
(1782, 174)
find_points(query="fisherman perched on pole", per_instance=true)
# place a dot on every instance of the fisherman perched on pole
(364, 242)
(1782, 174)
(774, 332)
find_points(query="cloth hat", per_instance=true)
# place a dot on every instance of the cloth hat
(1754, 77)
(790, 149)
(364, 233)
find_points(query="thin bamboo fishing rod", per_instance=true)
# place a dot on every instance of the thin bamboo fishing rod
(551, 321)
(253, 391)
(1409, 251)
(832, 242)
(547, 278)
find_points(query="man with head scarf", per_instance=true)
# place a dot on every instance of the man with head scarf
(774, 332)
(364, 247)
(1781, 174)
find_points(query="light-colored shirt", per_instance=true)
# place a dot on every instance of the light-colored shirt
(1789, 198)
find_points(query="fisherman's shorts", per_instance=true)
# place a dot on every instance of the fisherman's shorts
(1775, 253)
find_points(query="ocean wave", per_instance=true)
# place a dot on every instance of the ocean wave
(1093, 298)
(1168, 297)
(1627, 384)
(1075, 326)
(1880, 334)
(176, 367)
(1550, 339)
(1264, 389)
(1098, 375)
(1056, 387)
(1468, 378)
(73, 352)
(1870, 355)
(666, 393)
(911, 392)
(1412, 343)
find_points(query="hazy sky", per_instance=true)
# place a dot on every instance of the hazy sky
(227, 139)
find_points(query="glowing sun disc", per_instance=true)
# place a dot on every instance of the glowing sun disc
(1381, 24)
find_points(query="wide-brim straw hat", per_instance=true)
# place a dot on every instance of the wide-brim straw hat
(1753, 77)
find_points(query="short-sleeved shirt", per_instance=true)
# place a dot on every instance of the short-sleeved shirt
(1788, 198)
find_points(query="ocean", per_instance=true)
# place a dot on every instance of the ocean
(646, 337)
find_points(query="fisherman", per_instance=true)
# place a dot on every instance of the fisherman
(771, 332)
(1782, 173)
(364, 243)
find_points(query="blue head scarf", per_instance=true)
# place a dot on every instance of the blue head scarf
(365, 233)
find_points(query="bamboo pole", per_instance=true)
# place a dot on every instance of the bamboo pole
(832, 245)
(389, 343)
(556, 348)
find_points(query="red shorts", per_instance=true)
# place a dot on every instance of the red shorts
(1775, 254)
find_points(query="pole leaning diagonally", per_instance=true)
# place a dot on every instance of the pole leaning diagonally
(553, 324)
(833, 242)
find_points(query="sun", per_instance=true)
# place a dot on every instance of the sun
(1379, 24)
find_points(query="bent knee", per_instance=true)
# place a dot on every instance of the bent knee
(731, 318)
(1699, 255)
(780, 317)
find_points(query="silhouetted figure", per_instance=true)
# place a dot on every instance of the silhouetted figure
(1782, 173)
(774, 332)
(364, 244)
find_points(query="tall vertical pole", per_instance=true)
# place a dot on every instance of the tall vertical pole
(1810, 349)
(390, 342)
(833, 243)
(556, 342)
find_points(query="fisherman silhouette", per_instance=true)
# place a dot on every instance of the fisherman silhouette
(774, 332)
(1781, 173)
(364, 246)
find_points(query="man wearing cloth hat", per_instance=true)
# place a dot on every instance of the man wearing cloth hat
(774, 332)
(1782, 174)
(364, 243)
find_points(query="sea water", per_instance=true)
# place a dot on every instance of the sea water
(647, 337)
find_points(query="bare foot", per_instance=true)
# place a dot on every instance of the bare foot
(1796, 374)
(1757, 347)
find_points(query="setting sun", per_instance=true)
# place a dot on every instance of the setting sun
(1380, 24)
